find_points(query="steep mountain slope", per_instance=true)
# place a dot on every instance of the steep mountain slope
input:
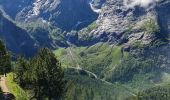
(45, 35)
(138, 70)
(46, 20)
(12, 8)
(84, 87)
(17, 40)
(119, 23)
(67, 15)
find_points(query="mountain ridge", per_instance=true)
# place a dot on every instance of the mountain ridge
(17, 39)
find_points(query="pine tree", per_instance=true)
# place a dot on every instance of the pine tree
(5, 62)
(49, 76)
(22, 66)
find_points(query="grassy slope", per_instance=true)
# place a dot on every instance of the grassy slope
(81, 88)
(15, 89)
(99, 59)
(84, 88)
(160, 92)
(102, 60)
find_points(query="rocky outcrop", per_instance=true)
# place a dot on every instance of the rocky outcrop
(113, 21)
(116, 20)
(12, 8)
(67, 15)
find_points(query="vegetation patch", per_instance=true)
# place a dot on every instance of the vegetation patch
(99, 59)
(155, 93)
(15, 89)
(92, 26)
(150, 26)
(85, 88)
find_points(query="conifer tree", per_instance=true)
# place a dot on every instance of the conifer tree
(49, 76)
(22, 66)
(5, 62)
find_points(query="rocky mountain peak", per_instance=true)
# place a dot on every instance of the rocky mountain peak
(72, 14)
(119, 16)
(113, 21)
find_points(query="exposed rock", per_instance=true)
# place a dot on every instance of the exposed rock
(68, 15)
(116, 19)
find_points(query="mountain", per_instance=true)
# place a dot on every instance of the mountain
(116, 20)
(126, 45)
(44, 19)
(121, 42)
(12, 8)
(67, 15)
(17, 39)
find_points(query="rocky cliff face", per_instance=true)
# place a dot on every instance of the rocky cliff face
(67, 15)
(12, 8)
(115, 21)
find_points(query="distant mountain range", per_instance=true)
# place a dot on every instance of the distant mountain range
(85, 22)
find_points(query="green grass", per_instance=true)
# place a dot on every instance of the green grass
(137, 72)
(161, 92)
(141, 82)
(100, 58)
(150, 26)
(138, 44)
(15, 89)
(60, 52)
(85, 88)
(92, 26)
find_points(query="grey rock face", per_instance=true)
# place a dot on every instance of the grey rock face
(13, 7)
(116, 19)
(65, 14)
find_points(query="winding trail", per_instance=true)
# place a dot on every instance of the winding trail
(5, 95)
(3, 85)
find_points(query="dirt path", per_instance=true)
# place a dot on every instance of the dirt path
(3, 85)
